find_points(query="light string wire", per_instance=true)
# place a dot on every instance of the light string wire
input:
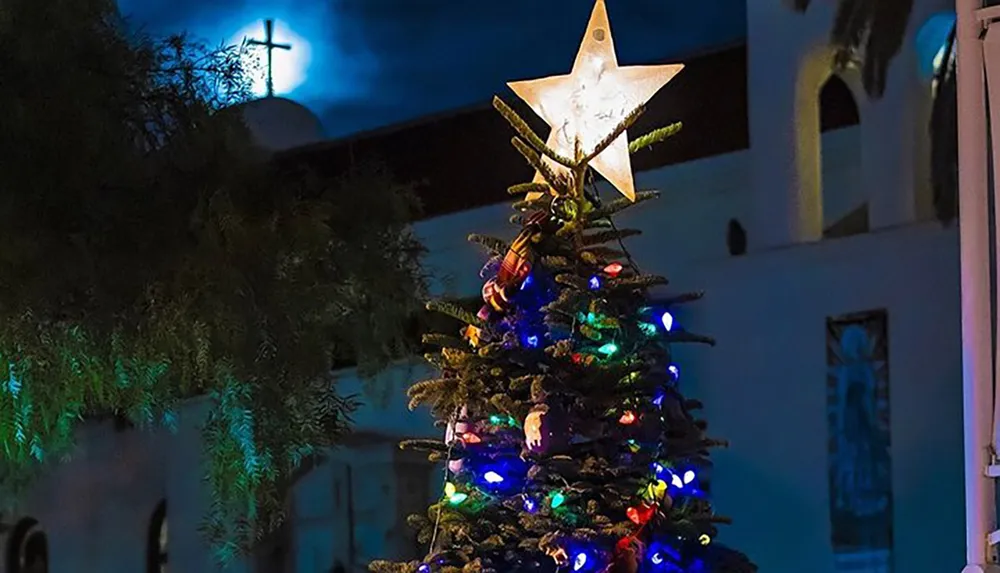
(453, 421)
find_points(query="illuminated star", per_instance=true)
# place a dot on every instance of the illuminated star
(589, 103)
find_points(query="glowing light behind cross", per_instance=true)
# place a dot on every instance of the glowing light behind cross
(290, 67)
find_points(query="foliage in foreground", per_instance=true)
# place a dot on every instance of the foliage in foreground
(148, 254)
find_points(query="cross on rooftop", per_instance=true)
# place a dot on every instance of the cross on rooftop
(270, 46)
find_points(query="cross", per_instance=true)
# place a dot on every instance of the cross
(268, 43)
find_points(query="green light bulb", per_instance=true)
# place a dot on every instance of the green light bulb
(458, 498)
(609, 348)
(557, 499)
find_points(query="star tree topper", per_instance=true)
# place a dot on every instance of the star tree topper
(589, 103)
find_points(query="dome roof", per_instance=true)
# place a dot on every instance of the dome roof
(279, 124)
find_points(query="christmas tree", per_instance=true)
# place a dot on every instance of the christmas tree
(568, 445)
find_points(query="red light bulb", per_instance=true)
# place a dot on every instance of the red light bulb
(627, 418)
(470, 438)
(613, 269)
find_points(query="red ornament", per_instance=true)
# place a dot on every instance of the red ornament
(641, 515)
(613, 270)
(627, 418)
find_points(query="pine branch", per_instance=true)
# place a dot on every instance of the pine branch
(525, 188)
(525, 132)
(683, 298)
(621, 204)
(424, 445)
(654, 137)
(607, 236)
(617, 132)
(535, 160)
(444, 341)
(453, 310)
(682, 336)
(641, 281)
(491, 244)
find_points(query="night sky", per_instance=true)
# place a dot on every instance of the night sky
(363, 64)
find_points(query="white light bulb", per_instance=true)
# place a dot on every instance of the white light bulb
(493, 477)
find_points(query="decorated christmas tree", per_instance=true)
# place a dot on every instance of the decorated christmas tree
(568, 446)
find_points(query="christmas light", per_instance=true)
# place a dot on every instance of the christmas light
(668, 321)
(495, 420)
(594, 282)
(424, 568)
(688, 476)
(627, 418)
(613, 269)
(470, 438)
(704, 539)
(493, 477)
(656, 558)
(532, 341)
(579, 561)
(529, 505)
(647, 328)
(608, 349)
(557, 499)
(527, 281)
(454, 496)
(675, 371)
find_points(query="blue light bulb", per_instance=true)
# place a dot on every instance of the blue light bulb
(529, 505)
(424, 568)
(668, 321)
(595, 282)
(493, 477)
(532, 341)
(580, 561)
(527, 281)
(674, 370)
(656, 558)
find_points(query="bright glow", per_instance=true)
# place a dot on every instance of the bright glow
(688, 477)
(588, 104)
(673, 369)
(557, 499)
(627, 418)
(290, 67)
(529, 505)
(613, 269)
(609, 348)
(676, 481)
(668, 321)
(657, 468)
(493, 477)
(595, 283)
(931, 41)
(458, 498)
(527, 281)
(580, 561)
(424, 568)
(656, 558)
(533, 341)
(470, 438)
(704, 539)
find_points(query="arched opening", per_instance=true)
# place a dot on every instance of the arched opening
(28, 548)
(156, 543)
(845, 205)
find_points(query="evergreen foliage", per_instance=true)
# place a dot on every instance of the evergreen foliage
(149, 254)
(569, 445)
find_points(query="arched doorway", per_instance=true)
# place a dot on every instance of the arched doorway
(28, 548)
(156, 544)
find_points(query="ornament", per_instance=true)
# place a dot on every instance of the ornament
(642, 514)
(584, 107)
(558, 554)
(473, 334)
(544, 429)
